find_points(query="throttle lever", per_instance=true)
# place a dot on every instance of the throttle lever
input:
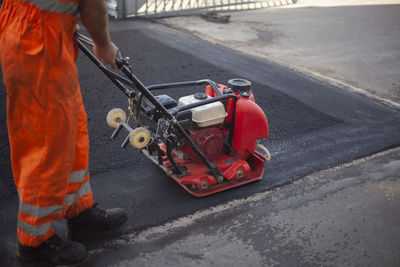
(120, 62)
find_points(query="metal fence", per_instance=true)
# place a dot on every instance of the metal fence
(162, 8)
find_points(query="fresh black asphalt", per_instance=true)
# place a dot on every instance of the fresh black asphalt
(313, 126)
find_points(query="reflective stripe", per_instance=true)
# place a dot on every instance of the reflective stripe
(56, 6)
(72, 198)
(35, 230)
(39, 212)
(78, 176)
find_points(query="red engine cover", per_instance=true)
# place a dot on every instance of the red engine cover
(210, 140)
(251, 123)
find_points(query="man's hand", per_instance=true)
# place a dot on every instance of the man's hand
(106, 53)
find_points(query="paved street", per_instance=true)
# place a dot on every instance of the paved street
(346, 216)
(329, 197)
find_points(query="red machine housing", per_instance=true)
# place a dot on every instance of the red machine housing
(251, 123)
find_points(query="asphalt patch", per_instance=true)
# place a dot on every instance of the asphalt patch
(312, 126)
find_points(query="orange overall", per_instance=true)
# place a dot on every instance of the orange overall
(47, 121)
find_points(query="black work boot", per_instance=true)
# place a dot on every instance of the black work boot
(53, 251)
(94, 222)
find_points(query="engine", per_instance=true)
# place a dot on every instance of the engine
(209, 140)
(206, 134)
(250, 123)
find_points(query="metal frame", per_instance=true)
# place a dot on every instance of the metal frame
(162, 8)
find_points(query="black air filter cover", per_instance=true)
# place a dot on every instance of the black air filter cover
(240, 85)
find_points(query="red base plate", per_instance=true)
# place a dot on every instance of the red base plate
(199, 183)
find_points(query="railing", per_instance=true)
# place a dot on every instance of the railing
(162, 8)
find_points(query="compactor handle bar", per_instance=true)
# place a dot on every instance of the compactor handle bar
(121, 81)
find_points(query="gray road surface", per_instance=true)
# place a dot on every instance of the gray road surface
(346, 216)
(314, 126)
(353, 44)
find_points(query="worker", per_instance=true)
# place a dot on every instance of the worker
(47, 124)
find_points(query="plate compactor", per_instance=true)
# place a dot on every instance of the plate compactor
(206, 142)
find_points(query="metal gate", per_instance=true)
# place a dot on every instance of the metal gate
(161, 8)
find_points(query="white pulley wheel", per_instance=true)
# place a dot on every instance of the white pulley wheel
(113, 116)
(139, 138)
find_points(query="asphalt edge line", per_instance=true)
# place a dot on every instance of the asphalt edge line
(340, 84)
(312, 74)
(151, 233)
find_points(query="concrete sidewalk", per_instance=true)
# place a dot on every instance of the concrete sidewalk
(351, 44)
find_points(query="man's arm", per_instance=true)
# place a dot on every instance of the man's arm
(95, 19)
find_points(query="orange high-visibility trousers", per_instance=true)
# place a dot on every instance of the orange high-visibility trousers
(46, 119)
